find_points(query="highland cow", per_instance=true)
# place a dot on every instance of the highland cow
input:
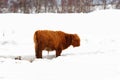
(53, 40)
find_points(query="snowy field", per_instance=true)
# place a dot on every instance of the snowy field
(98, 57)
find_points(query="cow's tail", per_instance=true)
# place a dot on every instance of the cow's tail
(36, 43)
(35, 37)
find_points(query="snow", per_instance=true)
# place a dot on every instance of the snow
(96, 59)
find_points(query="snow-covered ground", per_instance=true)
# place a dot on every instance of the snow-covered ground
(98, 57)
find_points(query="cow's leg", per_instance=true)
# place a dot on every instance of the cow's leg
(36, 50)
(39, 54)
(58, 52)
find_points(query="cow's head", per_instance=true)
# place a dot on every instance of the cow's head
(75, 40)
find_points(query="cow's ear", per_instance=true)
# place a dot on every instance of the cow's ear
(68, 38)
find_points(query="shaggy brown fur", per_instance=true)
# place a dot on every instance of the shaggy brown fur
(54, 40)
